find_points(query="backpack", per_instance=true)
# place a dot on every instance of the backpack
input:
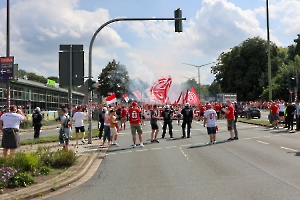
(67, 122)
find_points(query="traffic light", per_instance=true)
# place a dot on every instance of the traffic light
(178, 22)
(91, 83)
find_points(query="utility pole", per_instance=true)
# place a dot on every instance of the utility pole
(198, 66)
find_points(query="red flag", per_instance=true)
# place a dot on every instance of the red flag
(179, 98)
(185, 99)
(125, 98)
(111, 99)
(193, 97)
(137, 94)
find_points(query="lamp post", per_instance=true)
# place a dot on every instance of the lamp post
(198, 66)
(269, 52)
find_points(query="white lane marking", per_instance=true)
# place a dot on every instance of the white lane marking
(276, 135)
(171, 147)
(262, 142)
(126, 152)
(110, 154)
(183, 153)
(155, 148)
(247, 138)
(268, 136)
(288, 149)
(256, 137)
(198, 143)
(185, 145)
(142, 150)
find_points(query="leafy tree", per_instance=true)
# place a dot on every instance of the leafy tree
(214, 88)
(244, 70)
(113, 78)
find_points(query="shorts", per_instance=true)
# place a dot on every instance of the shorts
(123, 120)
(230, 124)
(179, 116)
(154, 126)
(136, 128)
(281, 113)
(113, 132)
(274, 117)
(202, 114)
(211, 130)
(10, 138)
(81, 129)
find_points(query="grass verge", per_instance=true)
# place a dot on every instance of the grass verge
(255, 121)
(54, 138)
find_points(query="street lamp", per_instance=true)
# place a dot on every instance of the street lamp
(198, 66)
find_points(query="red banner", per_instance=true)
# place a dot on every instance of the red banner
(161, 88)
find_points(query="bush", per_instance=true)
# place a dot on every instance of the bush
(6, 173)
(63, 159)
(20, 179)
(46, 156)
(26, 124)
(26, 161)
(45, 170)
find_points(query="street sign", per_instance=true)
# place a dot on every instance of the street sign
(6, 68)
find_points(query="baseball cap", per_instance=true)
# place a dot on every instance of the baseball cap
(134, 103)
(208, 105)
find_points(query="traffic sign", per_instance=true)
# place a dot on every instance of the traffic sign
(6, 68)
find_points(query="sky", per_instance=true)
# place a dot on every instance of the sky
(148, 49)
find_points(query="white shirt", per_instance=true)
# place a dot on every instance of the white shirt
(211, 117)
(78, 117)
(11, 120)
(281, 107)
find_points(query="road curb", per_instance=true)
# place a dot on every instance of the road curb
(74, 173)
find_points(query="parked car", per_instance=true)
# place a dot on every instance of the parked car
(253, 111)
(239, 111)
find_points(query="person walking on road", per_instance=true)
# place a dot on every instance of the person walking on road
(9, 125)
(101, 121)
(123, 117)
(187, 115)
(37, 122)
(78, 117)
(274, 114)
(113, 127)
(290, 112)
(229, 113)
(154, 126)
(135, 124)
(167, 117)
(106, 128)
(65, 129)
(236, 134)
(210, 122)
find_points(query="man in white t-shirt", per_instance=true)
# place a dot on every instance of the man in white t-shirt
(210, 122)
(10, 124)
(78, 117)
(281, 107)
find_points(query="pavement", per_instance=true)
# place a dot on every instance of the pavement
(88, 154)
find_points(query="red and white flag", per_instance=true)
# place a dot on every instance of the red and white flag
(137, 94)
(125, 98)
(185, 99)
(193, 97)
(161, 88)
(179, 98)
(111, 99)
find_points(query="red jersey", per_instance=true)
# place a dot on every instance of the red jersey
(202, 109)
(230, 115)
(134, 115)
(274, 109)
(217, 107)
(123, 113)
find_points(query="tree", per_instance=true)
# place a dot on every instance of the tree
(244, 70)
(113, 78)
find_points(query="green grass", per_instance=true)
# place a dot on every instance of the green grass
(54, 138)
(255, 121)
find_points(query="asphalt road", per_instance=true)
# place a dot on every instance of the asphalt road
(262, 164)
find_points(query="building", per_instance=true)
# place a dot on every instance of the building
(31, 94)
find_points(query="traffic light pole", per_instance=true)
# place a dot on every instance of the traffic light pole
(90, 58)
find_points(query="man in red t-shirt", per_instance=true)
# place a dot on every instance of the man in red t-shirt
(135, 123)
(123, 116)
(230, 119)
(274, 114)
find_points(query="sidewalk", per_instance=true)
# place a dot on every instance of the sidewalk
(88, 153)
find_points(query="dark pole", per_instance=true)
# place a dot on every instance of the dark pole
(7, 55)
(269, 53)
